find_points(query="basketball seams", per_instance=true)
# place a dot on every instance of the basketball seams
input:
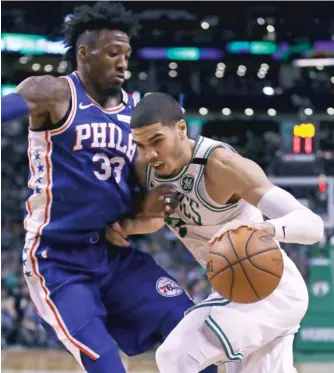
(256, 266)
(244, 271)
(241, 260)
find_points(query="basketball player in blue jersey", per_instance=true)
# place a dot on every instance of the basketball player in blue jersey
(81, 158)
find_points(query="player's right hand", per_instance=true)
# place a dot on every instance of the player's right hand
(161, 201)
(116, 234)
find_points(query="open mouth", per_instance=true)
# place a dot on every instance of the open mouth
(157, 165)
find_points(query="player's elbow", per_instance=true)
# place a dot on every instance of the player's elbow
(315, 229)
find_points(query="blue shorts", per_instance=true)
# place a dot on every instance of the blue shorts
(99, 294)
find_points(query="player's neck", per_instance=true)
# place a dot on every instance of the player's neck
(105, 100)
(186, 155)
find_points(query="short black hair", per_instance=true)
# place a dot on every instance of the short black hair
(156, 108)
(101, 15)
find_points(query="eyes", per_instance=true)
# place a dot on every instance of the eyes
(116, 54)
(153, 143)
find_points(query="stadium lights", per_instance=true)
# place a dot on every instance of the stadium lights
(173, 65)
(142, 75)
(270, 28)
(308, 111)
(219, 73)
(226, 111)
(203, 111)
(48, 68)
(249, 112)
(172, 73)
(205, 25)
(272, 112)
(330, 111)
(260, 75)
(36, 66)
(264, 66)
(261, 21)
(23, 59)
(269, 91)
(221, 66)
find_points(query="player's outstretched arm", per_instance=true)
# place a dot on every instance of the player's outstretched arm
(38, 95)
(290, 220)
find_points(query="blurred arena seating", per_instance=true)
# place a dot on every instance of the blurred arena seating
(258, 76)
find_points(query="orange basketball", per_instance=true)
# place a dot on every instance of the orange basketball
(245, 265)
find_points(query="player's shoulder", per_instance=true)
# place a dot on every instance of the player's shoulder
(222, 158)
(55, 88)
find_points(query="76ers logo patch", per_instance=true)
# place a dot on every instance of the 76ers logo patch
(168, 287)
(187, 183)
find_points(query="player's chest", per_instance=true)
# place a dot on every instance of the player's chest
(106, 136)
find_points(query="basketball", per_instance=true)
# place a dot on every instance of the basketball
(245, 265)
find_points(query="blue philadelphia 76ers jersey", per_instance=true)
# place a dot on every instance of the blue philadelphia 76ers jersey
(80, 173)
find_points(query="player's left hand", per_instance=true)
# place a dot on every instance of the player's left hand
(235, 224)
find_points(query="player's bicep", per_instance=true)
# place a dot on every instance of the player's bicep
(42, 92)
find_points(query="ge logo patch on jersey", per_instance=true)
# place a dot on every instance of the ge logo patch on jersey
(187, 183)
(168, 287)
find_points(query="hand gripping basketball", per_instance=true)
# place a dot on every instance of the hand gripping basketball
(236, 224)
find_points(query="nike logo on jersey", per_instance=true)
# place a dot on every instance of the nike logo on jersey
(83, 107)
(283, 228)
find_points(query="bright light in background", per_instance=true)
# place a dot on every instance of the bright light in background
(261, 21)
(221, 66)
(330, 111)
(127, 74)
(308, 111)
(142, 76)
(203, 111)
(270, 28)
(23, 59)
(264, 66)
(332, 79)
(260, 75)
(48, 68)
(320, 67)
(272, 112)
(183, 110)
(173, 65)
(172, 73)
(62, 67)
(205, 25)
(226, 111)
(249, 111)
(269, 91)
(219, 73)
(36, 66)
(241, 70)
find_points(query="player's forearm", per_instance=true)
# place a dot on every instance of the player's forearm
(143, 225)
(292, 222)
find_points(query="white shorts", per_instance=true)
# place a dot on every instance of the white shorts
(248, 337)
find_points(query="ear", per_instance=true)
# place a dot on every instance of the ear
(182, 128)
(82, 52)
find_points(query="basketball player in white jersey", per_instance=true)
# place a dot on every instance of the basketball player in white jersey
(219, 191)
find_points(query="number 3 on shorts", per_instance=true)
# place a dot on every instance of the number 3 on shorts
(109, 166)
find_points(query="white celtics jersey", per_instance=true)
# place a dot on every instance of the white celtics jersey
(198, 217)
